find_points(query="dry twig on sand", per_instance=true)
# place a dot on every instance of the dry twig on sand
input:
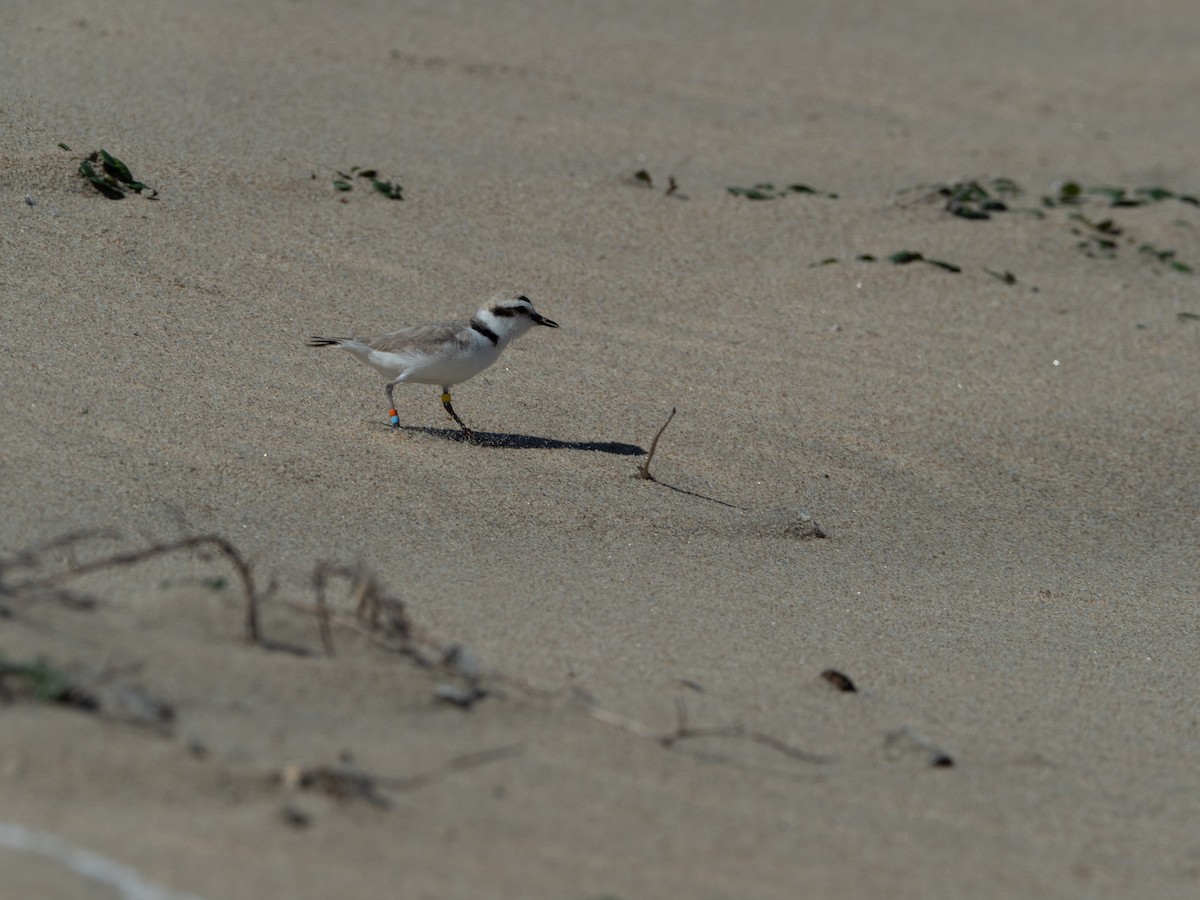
(644, 470)
(382, 618)
(684, 731)
(343, 780)
(33, 558)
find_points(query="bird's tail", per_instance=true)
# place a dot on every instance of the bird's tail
(324, 342)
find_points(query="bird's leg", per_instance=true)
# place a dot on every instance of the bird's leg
(393, 416)
(450, 409)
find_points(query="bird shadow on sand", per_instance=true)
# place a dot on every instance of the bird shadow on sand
(527, 441)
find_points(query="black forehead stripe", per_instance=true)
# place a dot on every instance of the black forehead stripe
(506, 311)
(485, 331)
(526, 299)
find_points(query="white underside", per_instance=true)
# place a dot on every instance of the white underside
(439, 369)
(445, 366)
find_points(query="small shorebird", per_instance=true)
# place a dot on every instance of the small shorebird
(445, 354)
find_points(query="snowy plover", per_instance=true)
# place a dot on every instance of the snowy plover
(444, 354)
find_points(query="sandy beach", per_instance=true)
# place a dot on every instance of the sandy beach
(921, 281)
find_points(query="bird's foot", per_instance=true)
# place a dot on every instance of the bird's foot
(467, 435)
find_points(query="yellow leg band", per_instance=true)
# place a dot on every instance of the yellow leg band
(445, 398)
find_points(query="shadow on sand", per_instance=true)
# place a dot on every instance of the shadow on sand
(528, 441)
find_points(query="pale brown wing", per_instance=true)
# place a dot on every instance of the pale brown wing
(424, 338)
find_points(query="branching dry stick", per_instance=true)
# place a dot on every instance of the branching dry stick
(683, 731)
(382, 633)
(223, 546)
(383, 615)
(319, 576)
(32, 557)
(787, 749)
(345, 781)
(376, 616)
(644, 471)
(455, 764)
